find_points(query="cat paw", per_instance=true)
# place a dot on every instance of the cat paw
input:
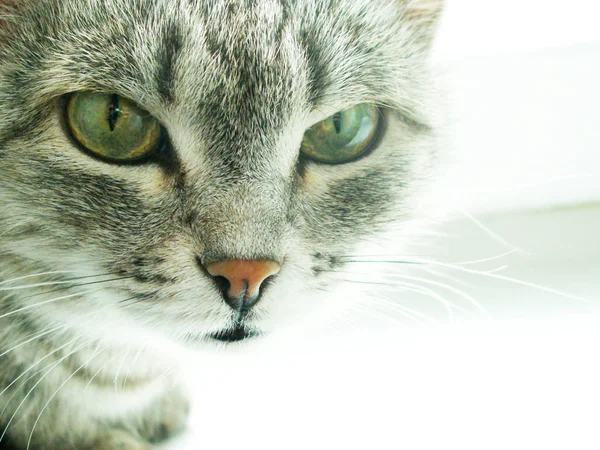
(118, 440)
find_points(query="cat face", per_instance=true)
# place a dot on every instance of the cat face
(232, 176)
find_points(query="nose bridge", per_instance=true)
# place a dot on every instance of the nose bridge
(254, 198)
(245, 220)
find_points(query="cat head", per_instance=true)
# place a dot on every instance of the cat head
(216, 160)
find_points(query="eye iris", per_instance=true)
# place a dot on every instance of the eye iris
(344, 136)
(112, 127)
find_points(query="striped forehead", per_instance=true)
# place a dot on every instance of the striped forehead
(239, 82)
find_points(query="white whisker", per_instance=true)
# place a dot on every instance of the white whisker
(22, 384)
(116, 380)
(509, 279)
(484, 260)
(64, 282)
(94, 354)
(486, 274)
(415, 288)
(447, 277)
(37, 384)
(493, 234)
(89, 383)
(434, 295)
(523, 283)
(37, 336)
(46, 302)
(167, 373)
(56, 272)
(32, 337)
(131, 366)
(448, 287)
(36, 363)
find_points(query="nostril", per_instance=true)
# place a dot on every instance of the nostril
(223, 284)
(265, 284)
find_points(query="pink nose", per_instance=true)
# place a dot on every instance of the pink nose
(245, 278)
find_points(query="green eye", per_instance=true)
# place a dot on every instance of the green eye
(343, 137)
(112, 127)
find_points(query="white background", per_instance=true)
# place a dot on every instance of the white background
(524, 101)
(473, 28)
(524, 374)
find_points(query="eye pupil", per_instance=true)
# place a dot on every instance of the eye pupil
(113, 112)
(337, 122)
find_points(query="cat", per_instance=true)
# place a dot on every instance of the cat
(176, 173)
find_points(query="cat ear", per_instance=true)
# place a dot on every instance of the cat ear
(423, 16)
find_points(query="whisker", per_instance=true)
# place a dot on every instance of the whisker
(36, 363)
(46, 332)
(139, 297)
(89, 383)
(490, 275)
(447, 304)
(524, 283)
(118, 355)
(22, 384)
(166, 373)
(423, 262)
(131, 366)
(484, 260)
(407, 262)
(22, 339)
(448, 277)
(75, 286)
(54, 283)
(116, 380)
(495, 236)
(94, 354)
(434, 295)
(373, 283)
(445, 286)
(37, 384)
(46, 302)
(56, 272)
(376, 283)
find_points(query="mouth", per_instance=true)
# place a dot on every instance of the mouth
(237, 334)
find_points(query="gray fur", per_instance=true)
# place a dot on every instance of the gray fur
(236, 83)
